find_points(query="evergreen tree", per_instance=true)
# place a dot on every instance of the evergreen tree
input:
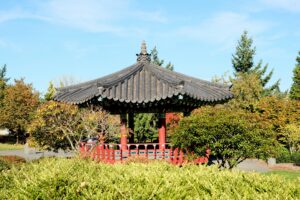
(295, 89)
(155, 60)
(145, 124)
(243, 62)
(50, 92)
(3, 83)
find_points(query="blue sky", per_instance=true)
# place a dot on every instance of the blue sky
(86, 39)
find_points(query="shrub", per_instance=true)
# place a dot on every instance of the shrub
(4, 165)
(295, 157)
(284, 156)
(231, 135)
(81, 179)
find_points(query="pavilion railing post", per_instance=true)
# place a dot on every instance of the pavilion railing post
(162, 130)
(123, 129)
(163, 152)
(170, 154)
(146, 151)
(154, 152)
(121, 153)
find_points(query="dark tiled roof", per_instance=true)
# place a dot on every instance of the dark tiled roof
(143, 82)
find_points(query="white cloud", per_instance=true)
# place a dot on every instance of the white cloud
(87, 15)
(224, 28)
(289, 5)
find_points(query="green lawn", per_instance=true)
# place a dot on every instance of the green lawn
(289, 174)
(5, 146)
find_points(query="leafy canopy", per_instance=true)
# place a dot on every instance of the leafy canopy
(19, 104)
(62, 126)
(231, 135)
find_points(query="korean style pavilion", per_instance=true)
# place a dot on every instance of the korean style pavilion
(144, 88)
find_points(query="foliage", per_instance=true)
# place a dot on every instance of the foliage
(4, 165)
(246, 89)
(19, 104)
(3, 83)
(284, 156)
(80, 179)
(145, 126)
(62, 126)
(295, 89)
(232, 135)
(295, 157)
(291, 136)
(50, 92)
(243, 62)
(278, 112)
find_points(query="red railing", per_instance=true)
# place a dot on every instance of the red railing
(112, 153)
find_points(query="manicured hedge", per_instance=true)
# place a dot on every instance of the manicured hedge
(81, 179)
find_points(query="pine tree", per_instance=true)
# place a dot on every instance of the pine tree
(155, 60)
(243, 59)
(243, 62)
(50, 92)
(145, 124)
(295, 89)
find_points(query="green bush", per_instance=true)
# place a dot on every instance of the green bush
(295, 157)
(232, 135)
(4, 165)
(83, 179)
(284, 156)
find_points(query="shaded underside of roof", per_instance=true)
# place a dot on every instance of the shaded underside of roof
(143, 83)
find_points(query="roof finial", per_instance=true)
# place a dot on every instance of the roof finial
(143, 47)
(143, 56)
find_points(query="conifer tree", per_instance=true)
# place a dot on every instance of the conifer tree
(243, 62)
(145, 124)
(295, 89)
(3, 82)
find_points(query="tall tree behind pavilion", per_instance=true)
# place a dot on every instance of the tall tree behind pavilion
(295, 89)
(145, 124)
(3, 83)
(243, 62)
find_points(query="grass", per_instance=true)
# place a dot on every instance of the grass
(59, 178)
(5, 146)
(288, 174)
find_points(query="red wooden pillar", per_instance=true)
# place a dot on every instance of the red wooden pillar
(123, 132)
(162, 131)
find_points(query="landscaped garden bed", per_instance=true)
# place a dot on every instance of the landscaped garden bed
(53, 178)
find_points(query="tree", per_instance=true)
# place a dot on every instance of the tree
(19, 103)
(155, 60)
(145, 124)
(232, 135)
(50, 92)
(243, 62)
(62, 126)
(3, 83)
(295, 89)
(246, 89)
(291, 136)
